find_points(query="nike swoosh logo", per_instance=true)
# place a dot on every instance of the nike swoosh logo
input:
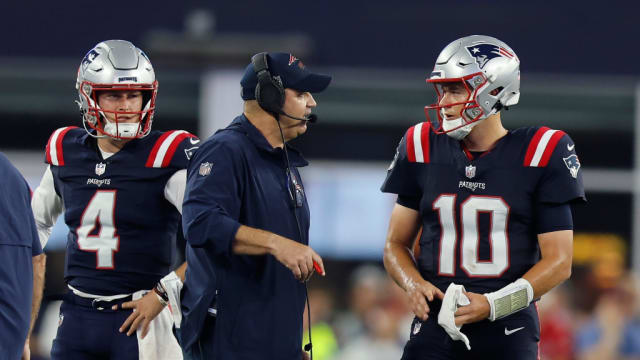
(194, 140)
(509, 332)
(571, 147)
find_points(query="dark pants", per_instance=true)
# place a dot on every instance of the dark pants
(203, 348)
(488, 340)
(84, 332)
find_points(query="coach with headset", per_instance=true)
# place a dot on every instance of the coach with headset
(246, 222)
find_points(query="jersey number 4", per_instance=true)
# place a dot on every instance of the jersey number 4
(99, 215)
(469, 210)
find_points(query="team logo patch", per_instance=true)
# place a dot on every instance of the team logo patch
(189, 152)
(205, 168)
(485, 52)
(292, 59)
(100, 168)
(573, 164)
(470, 171)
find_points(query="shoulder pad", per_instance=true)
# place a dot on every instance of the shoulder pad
(417, 140)
(54, 150)
(166, 146)
(541, 146)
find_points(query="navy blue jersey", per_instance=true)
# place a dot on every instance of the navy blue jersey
(18, 244)
(479, 214)
(121, 225)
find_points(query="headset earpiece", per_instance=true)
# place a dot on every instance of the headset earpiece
(269, 90)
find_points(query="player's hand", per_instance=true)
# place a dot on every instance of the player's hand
(297, 257)
(419, 292)
(26, 351)
(145, 309)
(478, 310)
(305, 356)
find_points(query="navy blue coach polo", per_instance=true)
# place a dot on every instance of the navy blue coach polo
(19, 242)
(235, 178)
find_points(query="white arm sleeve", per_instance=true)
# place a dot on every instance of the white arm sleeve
(174, 190)
(46, 206)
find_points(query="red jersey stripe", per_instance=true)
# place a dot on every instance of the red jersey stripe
(533, 145)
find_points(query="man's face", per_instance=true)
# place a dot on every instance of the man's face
(453, 93)
(298, 104)
(121, 101)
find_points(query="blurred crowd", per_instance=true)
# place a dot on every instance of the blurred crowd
(360, 313)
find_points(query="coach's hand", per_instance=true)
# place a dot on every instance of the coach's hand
(145, 309)
(296, 257)
(419, 292)
(26, 351)
(478, 310)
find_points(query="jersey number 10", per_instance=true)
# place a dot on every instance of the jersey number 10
(469, 210)
(99, 214)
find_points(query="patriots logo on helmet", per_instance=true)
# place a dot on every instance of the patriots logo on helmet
(485, 52)
(88, 59)
(573, 164)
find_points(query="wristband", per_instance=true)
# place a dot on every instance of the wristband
(161, 293)
(510, 299)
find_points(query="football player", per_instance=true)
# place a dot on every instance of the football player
(120, 186)
(494, 206)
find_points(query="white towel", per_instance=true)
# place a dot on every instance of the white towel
(159, 342)
(453, 299)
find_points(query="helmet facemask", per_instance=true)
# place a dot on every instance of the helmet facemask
(470, 112)
(95, 117)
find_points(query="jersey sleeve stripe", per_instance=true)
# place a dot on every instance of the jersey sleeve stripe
(411, 154)
(533, 144)
(54, 150)
(417, 142)
(173, 147)
(156, 148)
(545, 147)
(162, 146)
(544, 160)
(425, 141)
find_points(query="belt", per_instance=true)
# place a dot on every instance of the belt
(98, 304)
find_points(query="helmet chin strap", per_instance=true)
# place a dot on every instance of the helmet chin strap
(123, 130)
(462, 131)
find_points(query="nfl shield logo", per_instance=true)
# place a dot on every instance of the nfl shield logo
(100, 168)
(470, 171)
(205, 169)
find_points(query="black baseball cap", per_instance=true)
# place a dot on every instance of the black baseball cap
(292, 72)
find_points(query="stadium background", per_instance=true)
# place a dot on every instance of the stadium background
(579, 74)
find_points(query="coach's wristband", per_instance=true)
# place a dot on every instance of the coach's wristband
(510, 299)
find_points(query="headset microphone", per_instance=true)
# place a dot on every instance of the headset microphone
(312, 118)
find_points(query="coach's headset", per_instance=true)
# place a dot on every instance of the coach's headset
(270, 90)
(270, 97)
